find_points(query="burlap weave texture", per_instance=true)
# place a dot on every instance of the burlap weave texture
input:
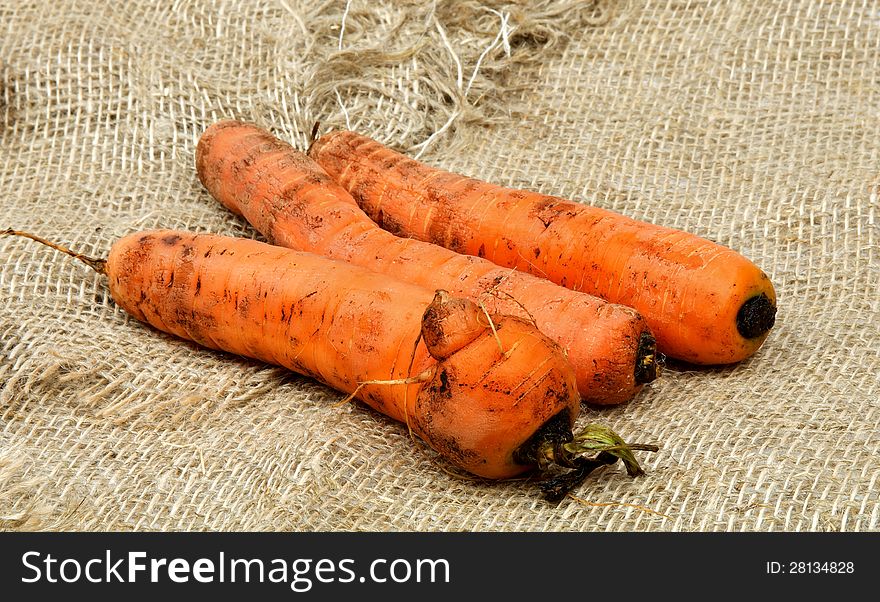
(754, 124)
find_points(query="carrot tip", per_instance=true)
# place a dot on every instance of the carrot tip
(756, 316)
(97, 264)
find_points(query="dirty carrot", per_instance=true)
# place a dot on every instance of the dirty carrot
(704, 302)
(420, 357)
(294, 203)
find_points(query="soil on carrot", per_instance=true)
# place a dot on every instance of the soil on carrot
(649, 361)
(557, 428)
(439, 232)
(549, 210)
(442, 328)
(437, 397)
(389, 223)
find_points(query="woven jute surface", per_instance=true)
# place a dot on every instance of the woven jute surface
(754, 124)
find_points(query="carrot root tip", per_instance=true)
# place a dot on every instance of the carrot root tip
(756, 316)
(97, 264)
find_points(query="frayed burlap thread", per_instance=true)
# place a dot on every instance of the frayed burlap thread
(756, 126)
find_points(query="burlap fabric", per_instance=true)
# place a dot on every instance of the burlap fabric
(754, 124)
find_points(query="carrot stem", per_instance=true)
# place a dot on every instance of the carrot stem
(594, 439)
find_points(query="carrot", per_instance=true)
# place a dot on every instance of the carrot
(704, 302)
(495, 401)
(294, 203)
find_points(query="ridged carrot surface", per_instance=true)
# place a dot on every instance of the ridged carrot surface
(704, 302)
(294, 203)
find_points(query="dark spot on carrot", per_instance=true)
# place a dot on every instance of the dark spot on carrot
(481, 252)
(649, 361)
(317, 179)
(756, 316)
(444, 382)
(170, 239)
(455, 243)
(386, 222)
(242, 304)
(198, 284)
(449, 446)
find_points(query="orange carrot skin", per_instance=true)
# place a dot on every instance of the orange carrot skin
(692, 292)
(343, 325)
(294, 203)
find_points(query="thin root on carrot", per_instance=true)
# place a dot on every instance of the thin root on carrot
(492, 326)
(421, 378)
(99, 265)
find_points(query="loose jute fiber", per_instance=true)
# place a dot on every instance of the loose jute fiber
(754, 124)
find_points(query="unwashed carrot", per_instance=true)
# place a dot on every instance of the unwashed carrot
(294, 203)
(495, 400)
(704, 302)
